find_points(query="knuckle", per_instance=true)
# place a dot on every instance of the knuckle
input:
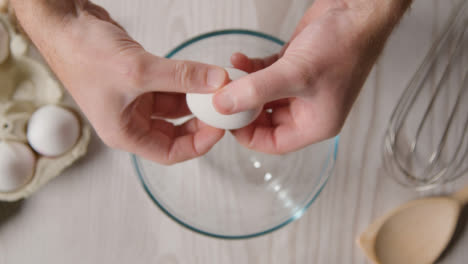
(169, 159)
(163, 161)
(167, 162)
(281, 151)
(183, 74)
(325, 127)
(331, 129)
(255, 92)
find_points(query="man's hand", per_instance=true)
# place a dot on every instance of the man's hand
(312, 84)
(124, 91)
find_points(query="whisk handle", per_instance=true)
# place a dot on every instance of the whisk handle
(462, 195)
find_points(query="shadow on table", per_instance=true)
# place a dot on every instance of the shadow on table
(459, 232)
(8, 210)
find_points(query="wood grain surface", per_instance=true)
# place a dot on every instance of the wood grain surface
(97, 211)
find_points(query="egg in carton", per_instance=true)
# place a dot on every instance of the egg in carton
(31, 104)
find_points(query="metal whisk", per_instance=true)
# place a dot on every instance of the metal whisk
(426, 142)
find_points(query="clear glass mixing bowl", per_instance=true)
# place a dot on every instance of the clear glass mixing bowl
(233, 192)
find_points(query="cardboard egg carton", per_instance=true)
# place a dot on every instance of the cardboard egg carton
(27, 84)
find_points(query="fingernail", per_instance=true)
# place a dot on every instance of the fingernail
(225, 102)
(216, 77)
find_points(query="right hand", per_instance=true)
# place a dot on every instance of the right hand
(313, 82)
(124, 91)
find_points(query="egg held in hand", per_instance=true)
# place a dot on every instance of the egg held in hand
(201, 105)
(53, 130)
(17, 163)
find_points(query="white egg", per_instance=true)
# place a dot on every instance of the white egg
(17, 162)
(201, 105)
(53, 130)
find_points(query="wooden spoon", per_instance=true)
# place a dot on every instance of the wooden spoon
(414, 233)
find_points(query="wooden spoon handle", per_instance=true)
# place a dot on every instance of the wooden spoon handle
(462, 195)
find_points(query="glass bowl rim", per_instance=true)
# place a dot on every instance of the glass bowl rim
(136, 164)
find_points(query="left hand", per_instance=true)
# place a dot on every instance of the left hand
(125, 91)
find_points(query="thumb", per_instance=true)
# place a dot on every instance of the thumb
(256, 89)
(167, 75)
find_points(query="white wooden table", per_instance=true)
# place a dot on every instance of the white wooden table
(97, 212)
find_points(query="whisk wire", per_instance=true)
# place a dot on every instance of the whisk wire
(402, 157)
